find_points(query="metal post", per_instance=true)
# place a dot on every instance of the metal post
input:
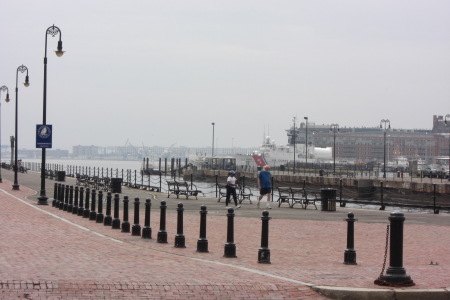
(230, 246)
(147, 230)
(136, 229)
(382, 196)
(396, 273)
(86, 210)
(100, 217)
(435, 210)
(350, 253)
(75, 201)
(108, 219)
(162, 233)
(70, 206)
(55, 195)
(202, 243)
(125, 222)
(179, 237)
(66, 198)
(93, 213)
(264, 251)
(116, 220)
(80, 205)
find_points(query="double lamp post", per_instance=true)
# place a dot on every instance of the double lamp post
(2, 89)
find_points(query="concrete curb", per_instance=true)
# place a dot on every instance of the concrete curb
(346, 293)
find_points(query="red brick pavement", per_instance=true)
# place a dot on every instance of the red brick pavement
(44, 256)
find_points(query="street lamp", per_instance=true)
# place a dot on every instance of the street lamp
(212, 150)
(334, 128)
(2, 88)
(21, 69)
(293, 169)
(53, 31)
(385, 122)
(447, 123)
(306, 144)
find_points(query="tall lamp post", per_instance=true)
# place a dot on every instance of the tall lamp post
(2, 88)
(212, 149)
(447, 121)
(294, 140)
(21, 69)
(53, 31)
(334, 128)
(306, 144)
(388, 124)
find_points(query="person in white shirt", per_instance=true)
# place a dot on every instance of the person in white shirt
(231, 189)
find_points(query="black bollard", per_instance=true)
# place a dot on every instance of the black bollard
(55, 195)
(86, 210)
(230, 246)
(93, 213)
(60, 203)
(162, 233)
(75, 201)
(147, 230)
(80, 205)
(136, 229)
(396, 274)
(100, 217)
(70, 206)
(116, 220)
(66, 198)
(125, 222)
(179, 237)
(202, 243)
(108, 219)
(350, 253)
(264, 251)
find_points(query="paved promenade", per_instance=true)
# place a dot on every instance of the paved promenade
(47, 253)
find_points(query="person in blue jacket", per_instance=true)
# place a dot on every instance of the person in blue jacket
(264, 185)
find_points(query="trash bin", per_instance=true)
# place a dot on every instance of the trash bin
(116, 185)
(328, 199)
(61, 176)
(320, 172)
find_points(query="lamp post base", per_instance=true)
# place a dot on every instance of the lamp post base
(15, 187)
(42, 200)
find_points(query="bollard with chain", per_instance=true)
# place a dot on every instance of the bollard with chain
(202, 243)
(350, 253)
(75, 201)
(264, 251)
(86, 210)
(136, 229)
(100, 217)
(116, 220)
(80, 205)
(179, 237)
(125, 222)
(108, 219)
(147, 230)
(162, 233)
(395, 274)
(230, 246)
(93, 213)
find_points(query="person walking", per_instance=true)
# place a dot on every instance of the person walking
(231, 189)
(264, 185)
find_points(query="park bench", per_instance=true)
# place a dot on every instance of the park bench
(292, 196)
(244, 193)
(172, 188)
(187, 189)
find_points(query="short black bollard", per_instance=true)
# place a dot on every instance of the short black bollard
(108, 219)
(93, 212)
(147, 230)
(55, 195)
(100, 217)
(230, 246)
(264, 251)
(75, 201)
(66, 198)
(395, 274)
(162, 233)
(116, 220)
(86, 210)
(61, 197)
(350, 253)
(58, 198)
(70, 206)
(125, 222)
(136, 229)
(179, 237)
(80, 205)
(202, 243)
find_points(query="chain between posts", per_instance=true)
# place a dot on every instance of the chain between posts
(385, 251)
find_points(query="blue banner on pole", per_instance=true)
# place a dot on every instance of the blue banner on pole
(44, 136)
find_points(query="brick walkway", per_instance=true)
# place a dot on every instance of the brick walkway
(47, 253)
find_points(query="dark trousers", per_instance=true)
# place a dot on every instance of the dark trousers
(231, 191)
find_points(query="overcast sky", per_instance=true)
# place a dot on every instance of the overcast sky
(160, 72)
